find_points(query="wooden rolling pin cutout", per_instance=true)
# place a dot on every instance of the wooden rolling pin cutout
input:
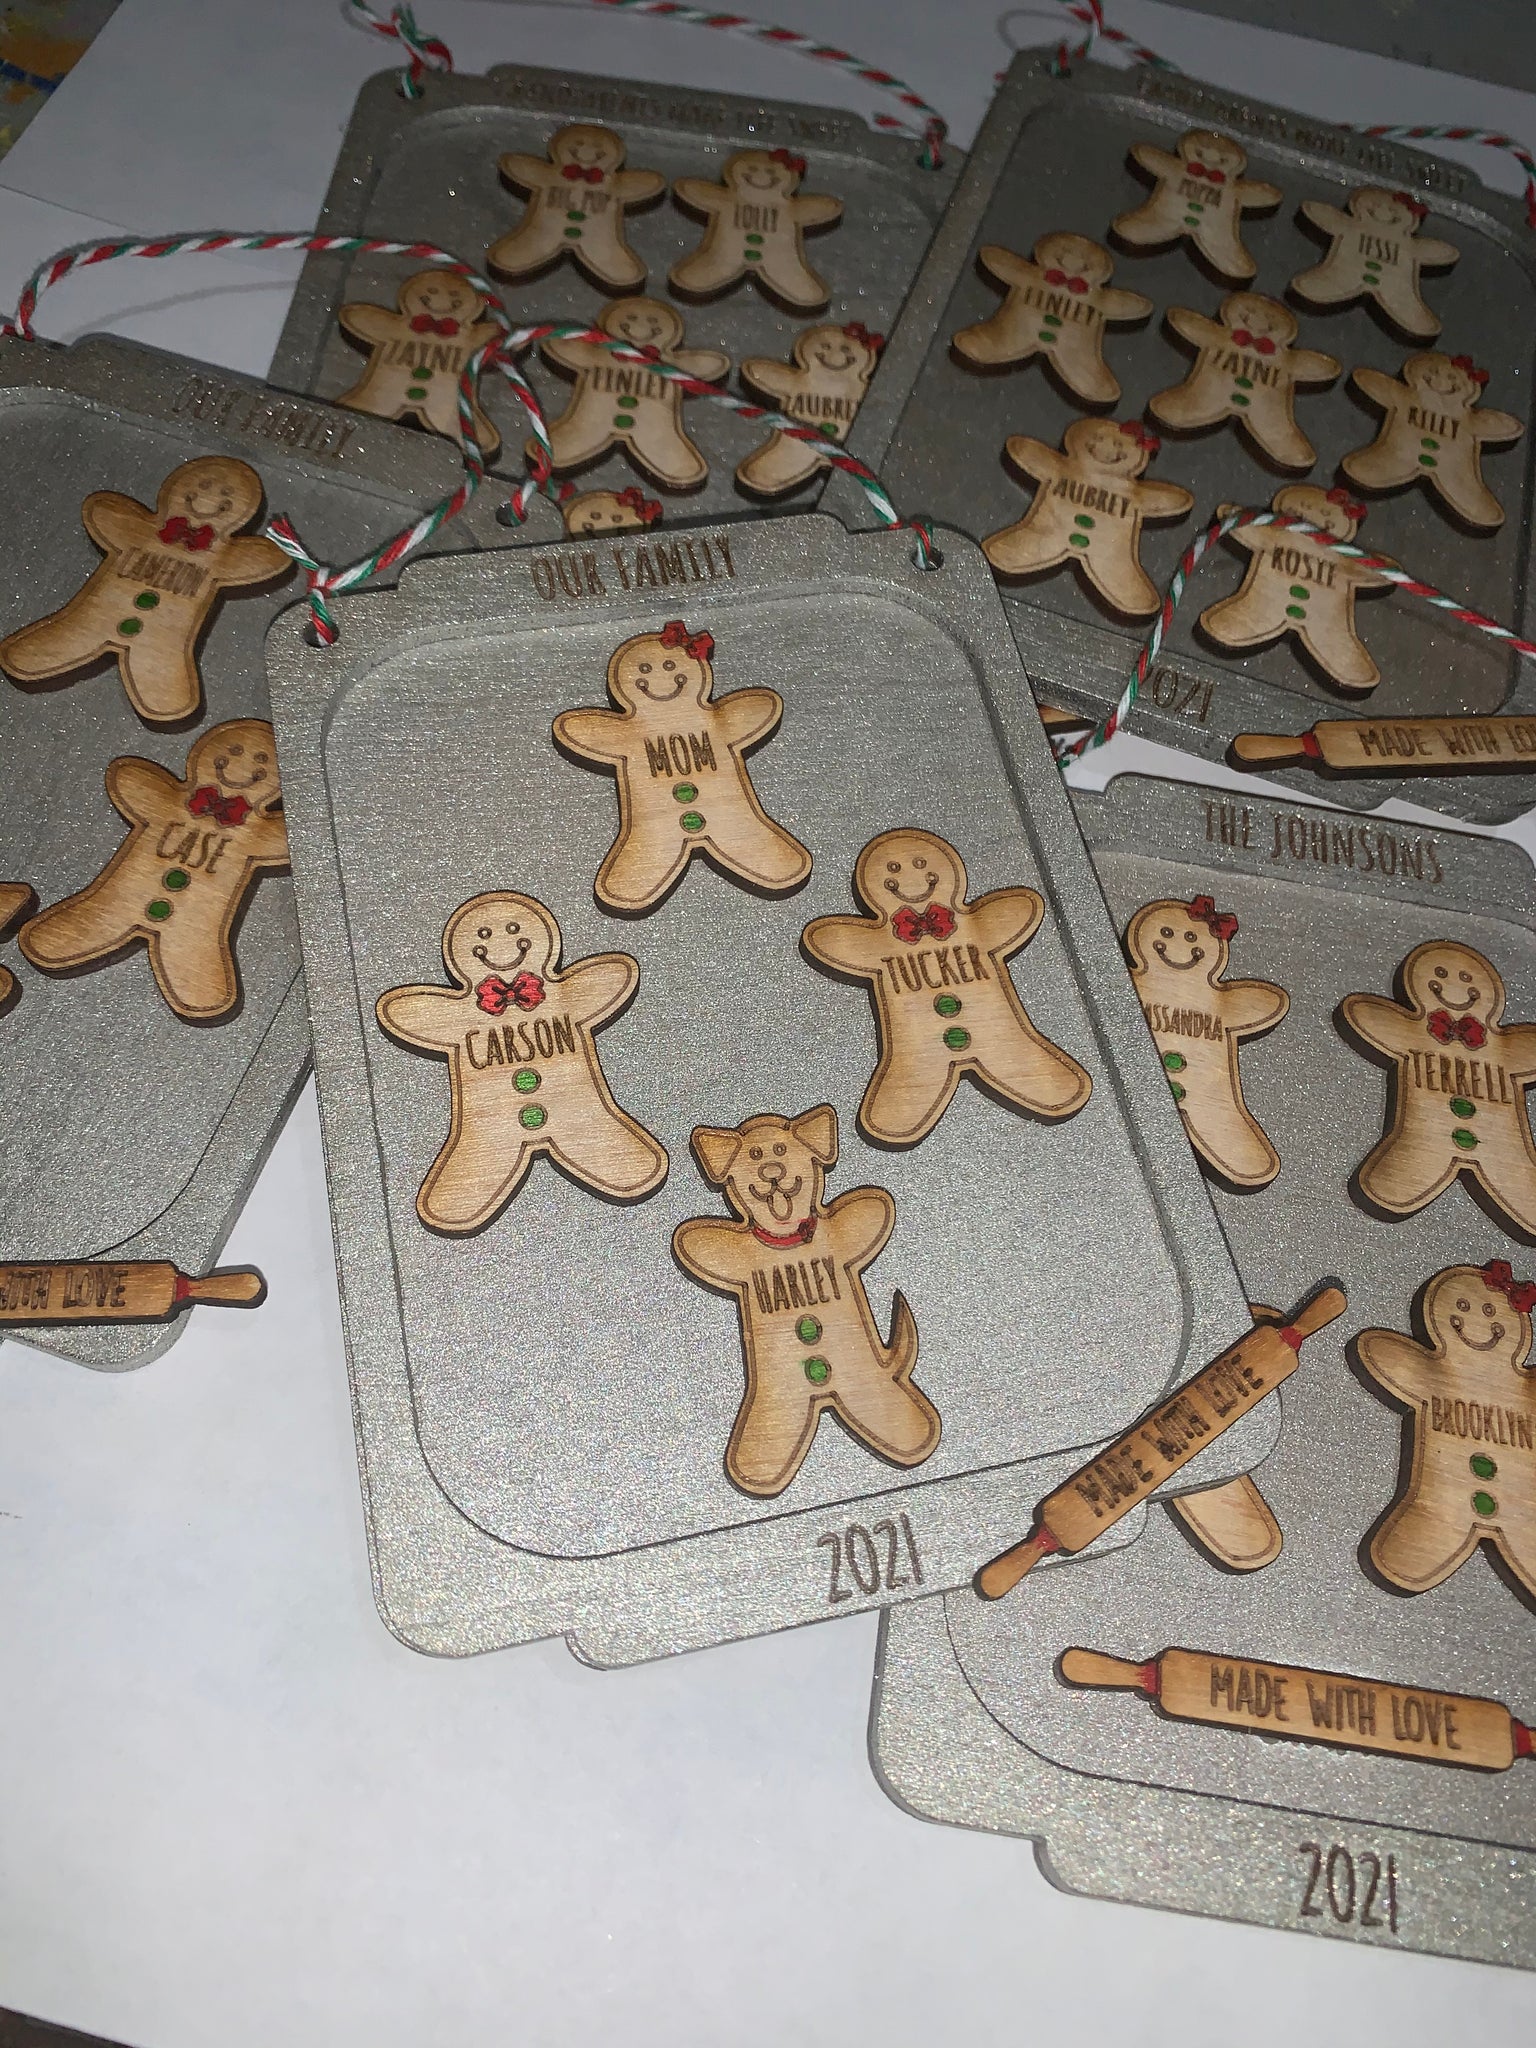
(1394, 746)
(117, 1291)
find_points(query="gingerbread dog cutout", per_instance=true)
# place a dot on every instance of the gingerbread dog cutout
(517, 1032)
(578, 197)
(1089, 510)
(626, 511)
(196, 849)
(1433, 431)
(795, 1265)
(1457, 1103)
(1471, 1400)
(1295, 588)
(757, 218)
(627, 405)
(149, 602)
(1375, 252)
(1178, 954)
(1058, 307)
(1200, 196)
(16, 899)
(418, 354)
(945, 1003)
(821, 388)
(1245, 370)
(679, 753)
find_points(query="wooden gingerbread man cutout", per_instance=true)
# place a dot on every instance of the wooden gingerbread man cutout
(1246, 370)
(679, 753)
(626, 404)
(1433, 431)
(1199, 195)
(516, 1030)
(1089, 510)
(1293, 587)
(418, 354)
(576, 205)
(148, 603)
(945, 1004)
(756, 229)
(1375, 252)
(795, 1265)
(16, 898)
(1471, 1400)
(1457, 1102)
(1057, 307)
(1178, 954)
(180, 879)
(822, 388)
(626, 511)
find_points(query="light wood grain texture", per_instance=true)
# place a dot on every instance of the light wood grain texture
(16, 898)
(821, 387)
(1146, 1455)
(1376, 253)
(626, 405)
(679, 755)
(1057, 307)
(1456, 1103)
(756, 221)
(418, 353)
(1397, 746)
(945, 1003)
(1293, 587)
(1471, 1423)
(1333, 1707)
(1234, 1522)
(148, 604)
(599, 512)
(1247, 371)
(523, 1072)
(577, 199)
(794, 1264)
(1432, 431)
(1179, 953)
(117, 1290)
(1199, 195)
(1088, 509)
(195, 849)
(1055, 718)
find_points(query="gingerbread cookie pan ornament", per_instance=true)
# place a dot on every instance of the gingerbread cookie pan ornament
(634, 1509)
(175, 1101)
(1380, 1483)
(577, 192)
(969, 375)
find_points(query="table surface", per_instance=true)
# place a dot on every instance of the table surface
(233, 1809)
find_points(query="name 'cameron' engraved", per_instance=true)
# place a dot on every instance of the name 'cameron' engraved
(643, 565)
(161, 572)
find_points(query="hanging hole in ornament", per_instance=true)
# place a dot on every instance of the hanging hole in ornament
(312, 636)
(506, 514)
(926, 554)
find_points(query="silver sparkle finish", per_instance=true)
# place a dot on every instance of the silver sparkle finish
(1052, 155)
(543, 1409)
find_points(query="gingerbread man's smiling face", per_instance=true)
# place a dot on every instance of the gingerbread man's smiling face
(909, 870)
(1168, 937)
(1076, 255)
(1389, 211)
(1444, 381)
(1212, 152)
(239, 757)
(1464, 1315)
(586, 147)
(1261, 319)
(440, 295)
(1449, 977)
(1310, 502)
(212, 490)
(601, 512)
(834, 350)
(759, 175)
(499, 933)
(649, 670)
(643, 323)
(1103, 446)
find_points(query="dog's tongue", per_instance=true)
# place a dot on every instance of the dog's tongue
(780, 1205)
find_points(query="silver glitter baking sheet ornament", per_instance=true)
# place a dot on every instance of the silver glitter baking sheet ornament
(126, 1131)
(425, 170)
(543, 1408)
(973, 1726)
(1052, 155)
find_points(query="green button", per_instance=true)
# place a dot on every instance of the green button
(1082, 519)
(1195, 205)
(947, 1006)
(1238, 398)
(1295, 611)
(807, 1329)
(623, 419)
(147, 600)
(575, 213)
(829, 429)
(130, 626)
(532, 1118)
(692, 821)
(159, 910)
(817, 1370)
(1178, 1092)
(1191, 220)
(1465, 1140)
(753, 240)
(1175, 1062)
(573, 234)
(175, 878)
(957, 1039)
(525, 1080)
(1047, 335)
(1461, 1107)
(1301, 591)
(684, 792)
(417, 391)
(1243, 383)
(1483, 1467)
(1485, 1504)
(1051, 319)
(754, 255)
(1428, 462)
(1078, 540)
(1429, 441)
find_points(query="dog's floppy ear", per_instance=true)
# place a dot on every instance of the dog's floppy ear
(817, 1131)
(716, 1152)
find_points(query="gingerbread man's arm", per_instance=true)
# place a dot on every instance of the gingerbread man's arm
(1435, 255)
(1363, 578)
(866, 1218)
(252, 558)
(708, 363)
(746, 716)
(1495, 426)
(633, 188)
(1250, 537)
(1196, 327)
(267, 846)
(1006, 265)
(1157, 161)
(1034, 458)
(528, 173)
(1331, 219)
(848, 945)
(1395, 1362)
(141, 790)
(597, 735)
(777, 379)
(1517, 1050)
(365, 322)
(1382, 390)
(701, 195)
(1380, 1023)
(114, 521)
(1006, 919)
(596, 988)
(433, 1018)
(1160, 500)
(1311, 366)
(1255, 192)
(574, 355)
(1252, 1006)
(816, 209)
(1115, 304)
(719, 1253)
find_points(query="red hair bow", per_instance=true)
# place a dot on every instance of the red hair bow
(857, 331)
(425, 324)
(206, 802)
(525, 990)
(1142, 435)
(1415, 206)
(1448, 1030)
(1060, 277)
(790, 163)
(194, 537)
(648, 509)
(1221, 924)
(1199, 171)
(1259, 343)
(1521, 1294)
(936, 922)
(1339, 496)
(1466, 363)
(699, 645)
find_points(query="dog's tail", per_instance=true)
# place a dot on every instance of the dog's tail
(901, 1351)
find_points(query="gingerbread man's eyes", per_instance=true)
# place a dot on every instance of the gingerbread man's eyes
(919, 862)
(645, 668)
(1442, 974)
(893, 867)
(757, 1152)
(1488, 1308)
(1465, 976)
(259, 757)
(1166, 932)
(1464, 1306)
(1189, 938)
(514, 926)
(668, 666)
(236, 749)
(484, 932)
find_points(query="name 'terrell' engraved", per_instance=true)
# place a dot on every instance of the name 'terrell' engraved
(643, 565)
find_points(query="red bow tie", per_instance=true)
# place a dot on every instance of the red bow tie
(1521, 1294)
(1446, 1028)
(789, 161)
(206, 802)
(801, 1234)
(525, 990)
(195, 537)
(1221, 924)
(699, 645)
(936, 922)
(425, 324)
(1212, 177)
(582, 174)
(1060, 277)
(1260, 344)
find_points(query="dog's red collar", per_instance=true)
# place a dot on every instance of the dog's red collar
(803, 1235)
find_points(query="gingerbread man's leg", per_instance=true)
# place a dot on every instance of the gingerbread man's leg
(998, 339)
(160, 674)
(1273, 429)
(1250, 617)
(709, 268)
(659, 444)
(1034, 1075)
(1425, 1538)
(1219, 237)
(1510, 1178)
(582, 431)
(98, 922)
(1081, 365)
(644, 862)
(473, 1176)
(779, 465)
(1237, 1145)
(909, 1091)
(1400, 298)
(1401, 1176)
(770, 855)
(785, 271)
(194, 967)
(606, 258)
(69, 639)
(1345, 656)
(1115, 571)
(537, 240)
(1467, 495)
(600, 1146)
(774, 1428)
(893, 1416)
(1519, 1553)
(1028, 545)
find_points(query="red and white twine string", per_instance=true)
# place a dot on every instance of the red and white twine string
(426, 53)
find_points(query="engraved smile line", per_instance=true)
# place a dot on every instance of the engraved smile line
(897, 891)
(1495, 1335)
(1178, 966)
(1449, 1005)
(497, 966)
